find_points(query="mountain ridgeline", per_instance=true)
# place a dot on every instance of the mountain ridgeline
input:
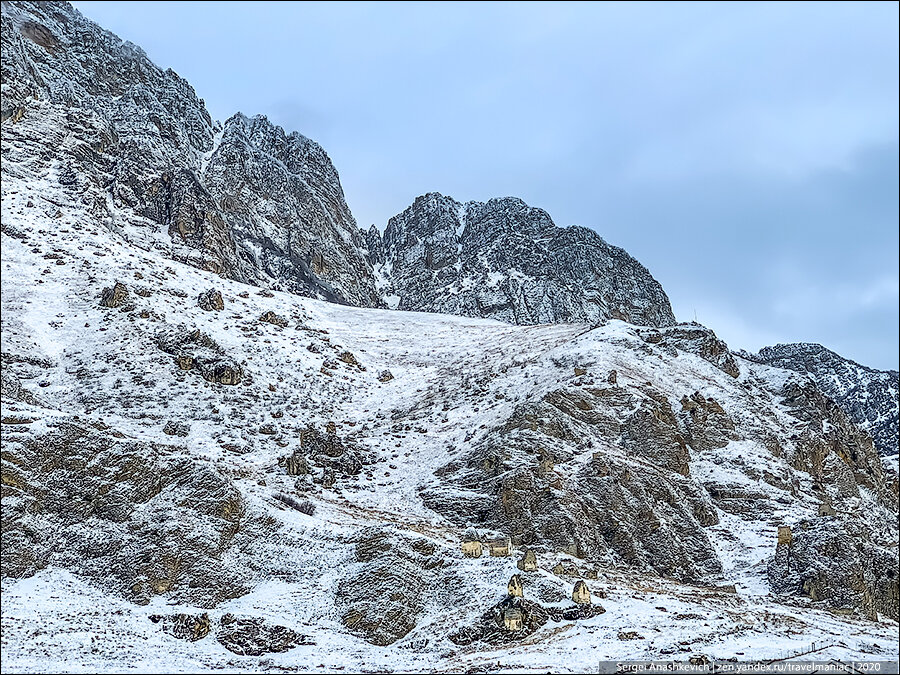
(867, 395)
(243, 199)
(181, 428)
(505, 260)
(256, 204)
(250, 202)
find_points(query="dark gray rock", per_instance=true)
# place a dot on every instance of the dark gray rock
(251, 636)
(211, 301)
(114, 296)
(869, 396)
(195, 350)
(506, 260)
(191, 627)
(694, 338)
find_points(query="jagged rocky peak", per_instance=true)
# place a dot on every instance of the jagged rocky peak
(506, 260)
(284, 206)
(869, 396)
(134, 142)
(51, 53)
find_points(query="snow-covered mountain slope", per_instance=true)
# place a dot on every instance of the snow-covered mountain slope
(286, 483)
(869, 396)
(199, 473)
(505, 260)
(137, 145)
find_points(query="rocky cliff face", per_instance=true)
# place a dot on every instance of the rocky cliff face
(297, 475)
(86, 110)
(506, 260)
(282, 200)
(248, 201)
(869, 396)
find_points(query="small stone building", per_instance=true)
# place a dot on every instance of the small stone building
(785, 537)
(581, 594)
(471, 549)
(515, 587)
(471, 544)
(513, 619)
(528, 563)
(511, 613)
(500, 548)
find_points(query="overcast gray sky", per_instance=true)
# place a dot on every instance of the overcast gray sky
(747, 154)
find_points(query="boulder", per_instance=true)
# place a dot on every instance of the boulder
(274, 319)
(114, 296)
(191, 627)
(251, 636)
(211, 301)
(176, 428)
(195, 350)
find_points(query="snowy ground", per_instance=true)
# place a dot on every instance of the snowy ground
(452, 376)
(54, 623)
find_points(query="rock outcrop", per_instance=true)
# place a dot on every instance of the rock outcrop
(211, 301)
(137, 518)
(251, 636)
(643, 512)
(195, 350)
(505, 260)
(383, 595)
(695, 338)
(281, 200)
(828, 561)
(867, 395)
(245, 200)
